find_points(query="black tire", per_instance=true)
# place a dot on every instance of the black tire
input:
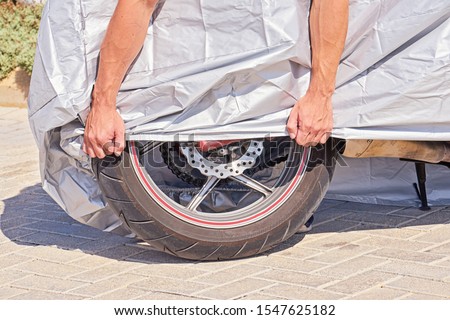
(127, 196)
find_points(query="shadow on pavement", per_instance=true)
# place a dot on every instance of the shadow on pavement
(32, 218)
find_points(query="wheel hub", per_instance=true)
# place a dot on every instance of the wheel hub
(234, 167)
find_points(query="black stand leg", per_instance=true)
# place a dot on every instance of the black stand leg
(420, 187)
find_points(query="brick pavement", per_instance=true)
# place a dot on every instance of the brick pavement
(355, 251)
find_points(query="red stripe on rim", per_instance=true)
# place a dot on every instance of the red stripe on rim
(174, 211)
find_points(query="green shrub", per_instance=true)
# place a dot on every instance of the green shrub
(19, 24)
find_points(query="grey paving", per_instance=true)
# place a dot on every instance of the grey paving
(355, 251)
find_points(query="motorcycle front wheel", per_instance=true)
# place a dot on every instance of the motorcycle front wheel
(235, 202)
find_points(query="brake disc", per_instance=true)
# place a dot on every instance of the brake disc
(222, 170)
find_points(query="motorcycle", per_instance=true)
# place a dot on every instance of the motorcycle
(201, 178)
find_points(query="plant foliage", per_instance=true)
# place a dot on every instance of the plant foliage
(19, 24)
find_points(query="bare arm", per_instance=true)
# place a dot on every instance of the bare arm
(104, 130)
(311, 119)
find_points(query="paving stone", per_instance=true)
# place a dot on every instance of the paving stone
(437, 235)
(335, 240)
(44, 295)
(442, 249)
(303, 279)
(16, 233)
(71, 230)
(397, 233)
(334, 226)
(377, 219)
(363, 281)
(415, 270)
(92, 261)
(110, 284)
(286, 264)
(298, 252)
(13, 113)
(329, 203)
(9, 192)
(169, 270)
(260, 297)
(12, 260)
(120, 252)
(10, 275)
(385, 242)
(3, 238)
(51, 269)
(49, 239)
(420, 296)
(167, 296)
(52, 254)
(14, 222)
(8, 292)
(398, 254)
(424, 286)
(430, 221)
(4, 111)
(10, 247)
(329, 214)
(108, 241)
(443, 263)
(341, 253)
(155, 257)
(411, 212)
(351, 267)
(53, 215)
(380, 294)
(235, 289)
(36, 282)
(231, 274)
(125, 293)
(291, 292)
(168, 285)
(213, 266)
(103, 272)
(366, 207)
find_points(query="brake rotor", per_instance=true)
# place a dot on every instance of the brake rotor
(219, 169)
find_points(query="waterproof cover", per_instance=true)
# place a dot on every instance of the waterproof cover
(233, 69)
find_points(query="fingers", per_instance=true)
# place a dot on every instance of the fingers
(303, 137)
(119, 144)
(104, 134)
(325, 137)
(98, 148)
(292, 123)
(108, 147)
(87, 148)
(309, 137)
(92, 146)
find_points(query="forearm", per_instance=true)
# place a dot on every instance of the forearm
(311, 119)
(123, 40)
(328, 30)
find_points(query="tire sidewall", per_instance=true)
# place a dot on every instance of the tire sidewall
(294, 211)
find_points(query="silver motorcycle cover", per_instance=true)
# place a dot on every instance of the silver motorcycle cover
(233, 69)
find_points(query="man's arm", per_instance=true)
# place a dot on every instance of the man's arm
(104, 130)
(311, 119)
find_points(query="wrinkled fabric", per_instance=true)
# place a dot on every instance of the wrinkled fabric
(388, 181)
(233, 69)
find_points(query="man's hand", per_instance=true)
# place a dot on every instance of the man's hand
(104, 133)
(311, 120)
